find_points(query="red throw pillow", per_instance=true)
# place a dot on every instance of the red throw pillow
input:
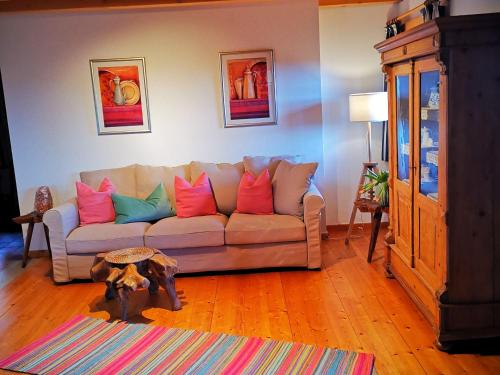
(255, 196)
(196, 199)
(95, 206)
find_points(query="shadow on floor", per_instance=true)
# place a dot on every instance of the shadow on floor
(484, 347)
(139, 301)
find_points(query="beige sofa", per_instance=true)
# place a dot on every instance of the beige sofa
(226, 241)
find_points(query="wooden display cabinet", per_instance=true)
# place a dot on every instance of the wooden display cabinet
(444, 125)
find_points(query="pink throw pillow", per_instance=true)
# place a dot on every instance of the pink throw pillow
(255, 196)
(95, 206)
(196, 199)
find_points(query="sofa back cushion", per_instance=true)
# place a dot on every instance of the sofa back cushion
(290, 184)
(148, 177)
(225, 179)
(122, 178)
(257, 164)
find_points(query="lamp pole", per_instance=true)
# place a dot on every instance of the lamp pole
(369, 135)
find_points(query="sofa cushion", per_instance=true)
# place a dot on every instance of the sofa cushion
(196, 199)
(95, 206)
(131, 210)
(255, 195)
(244, 229)
(122, 178)
(257, 164)
(290, 184)
(95, 238)
(198, 231)
(148, 177)
(225, 179)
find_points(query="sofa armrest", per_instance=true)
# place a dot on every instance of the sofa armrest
(61, 221)
(314, 205)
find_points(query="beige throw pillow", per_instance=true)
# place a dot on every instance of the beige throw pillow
(256, 164)
(225, 180)
(290, 184)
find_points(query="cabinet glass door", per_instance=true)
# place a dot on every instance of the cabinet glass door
(429, 133)
(403, 127)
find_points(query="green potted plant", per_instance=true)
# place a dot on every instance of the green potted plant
(379, 183)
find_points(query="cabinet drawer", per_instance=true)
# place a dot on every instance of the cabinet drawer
(414, 49)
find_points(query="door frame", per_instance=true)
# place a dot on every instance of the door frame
(432, 277)
(402, 247)
(11, 209)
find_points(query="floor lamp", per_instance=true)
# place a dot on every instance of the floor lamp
(366, 107)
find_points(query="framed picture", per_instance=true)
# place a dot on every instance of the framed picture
(120, 95)
(248, 88)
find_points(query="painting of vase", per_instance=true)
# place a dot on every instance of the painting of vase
(120, 95)
(248, 88)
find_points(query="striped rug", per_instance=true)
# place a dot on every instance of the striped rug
(86, 345)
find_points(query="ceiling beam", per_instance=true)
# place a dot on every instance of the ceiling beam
(49, 5)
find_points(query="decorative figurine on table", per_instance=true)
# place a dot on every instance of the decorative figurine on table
(43, 200)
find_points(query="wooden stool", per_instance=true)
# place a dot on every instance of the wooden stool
(366, 167)
(31, 219)
(368, 205)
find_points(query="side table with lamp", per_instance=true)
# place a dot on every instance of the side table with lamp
(367, 107)
(43, 203)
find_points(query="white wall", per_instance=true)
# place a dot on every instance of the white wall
(457, 7)
(45, 68)
(460, 7)
(349, 64)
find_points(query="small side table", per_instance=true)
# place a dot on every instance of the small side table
(31, 219)
(376, 210)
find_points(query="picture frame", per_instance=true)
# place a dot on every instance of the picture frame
(248, 88)
(120, 95)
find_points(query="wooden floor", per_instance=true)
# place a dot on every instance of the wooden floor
(349, 305)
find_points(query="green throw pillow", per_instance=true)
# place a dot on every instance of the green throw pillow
(131, 210)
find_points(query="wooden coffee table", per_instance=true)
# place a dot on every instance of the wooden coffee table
(127, 270)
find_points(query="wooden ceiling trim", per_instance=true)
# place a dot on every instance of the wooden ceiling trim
(88, 5)
(52, 5)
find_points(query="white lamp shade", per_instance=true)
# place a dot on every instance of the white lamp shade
(370, 106)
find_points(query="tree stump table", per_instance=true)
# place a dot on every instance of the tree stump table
(127, 270)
